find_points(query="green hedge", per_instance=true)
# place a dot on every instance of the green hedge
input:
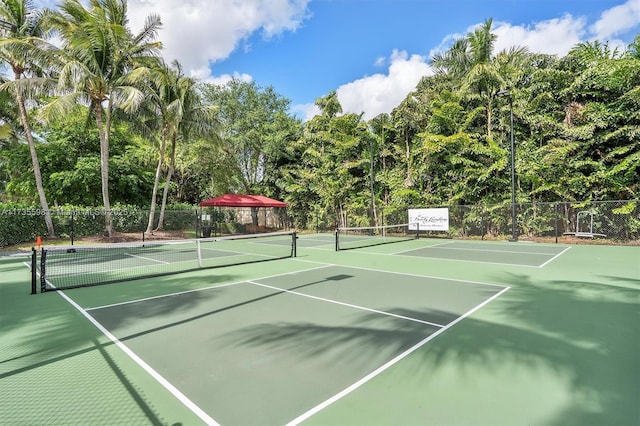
(21, 223)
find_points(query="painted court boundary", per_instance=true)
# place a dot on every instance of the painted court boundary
(209, 420)
(389, 364)
(400, 273)
(161, 296)
(442, 247)
(146, 367)
(349, 305)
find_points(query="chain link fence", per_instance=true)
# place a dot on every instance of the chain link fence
(616, 222)
(71, 226)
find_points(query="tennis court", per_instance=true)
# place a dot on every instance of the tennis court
(537, 255)
(421, 331)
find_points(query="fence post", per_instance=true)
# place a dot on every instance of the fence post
(555, 215)
(73, 230)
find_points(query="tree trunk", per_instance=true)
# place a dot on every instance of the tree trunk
(156, 183)
(165, 193)
(36, 164)
(104, 167)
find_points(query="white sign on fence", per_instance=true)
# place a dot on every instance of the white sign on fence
(429, 219)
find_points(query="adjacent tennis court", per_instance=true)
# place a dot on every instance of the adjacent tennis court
(420, 332)
(537, 255)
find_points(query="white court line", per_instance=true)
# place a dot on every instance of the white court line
(363, 308)
(320, 248)
(483, 250)
(387, 365)
(146, 258)
(403, 273)
(128, 302)
(447, 259)
(553, 258)
(146, 367)
(437, 245)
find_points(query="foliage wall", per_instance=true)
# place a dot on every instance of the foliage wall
(138, 132)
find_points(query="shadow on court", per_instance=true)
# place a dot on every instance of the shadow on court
(53, 368)
(562, 343)
(579, 333)
(113, 317)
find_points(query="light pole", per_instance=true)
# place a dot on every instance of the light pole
(373, 202)
(372, 218)
(514, 237)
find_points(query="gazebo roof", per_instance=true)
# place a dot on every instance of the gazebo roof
(234, 200)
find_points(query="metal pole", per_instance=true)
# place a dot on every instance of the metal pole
(371, 184)
(514, 237)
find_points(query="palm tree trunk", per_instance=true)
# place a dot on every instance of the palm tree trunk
(156, 183)
(104, 167)
(36, 164)
(165, 193)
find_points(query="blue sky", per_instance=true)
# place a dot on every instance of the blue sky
(372, 52)
(342, 40)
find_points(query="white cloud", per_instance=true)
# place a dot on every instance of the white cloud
(554, 36)
(201, 32)
(197, 32)
(223, 79)
(380, 93)
(617, 20)
(381, 61)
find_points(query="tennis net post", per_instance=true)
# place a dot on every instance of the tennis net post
(34, 275)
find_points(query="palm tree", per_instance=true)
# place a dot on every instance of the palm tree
(99, 54)
(474, 49)
(190, 117)
(470, 60)
(25, 30)
(589, 53)
(170, 96)
(159, 84)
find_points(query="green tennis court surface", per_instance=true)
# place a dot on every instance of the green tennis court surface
(417, 332)
(498, 253)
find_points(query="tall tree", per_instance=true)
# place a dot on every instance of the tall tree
(251, 123)
(335, 162)
(633, 50)
(162, 84)
(190, 118)
(17, 50)
(99, 54)
(478, 72)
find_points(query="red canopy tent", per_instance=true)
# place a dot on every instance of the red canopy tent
(243, 221)
(234, 200)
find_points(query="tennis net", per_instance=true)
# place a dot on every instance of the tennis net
(366, 236)
(80, 266)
